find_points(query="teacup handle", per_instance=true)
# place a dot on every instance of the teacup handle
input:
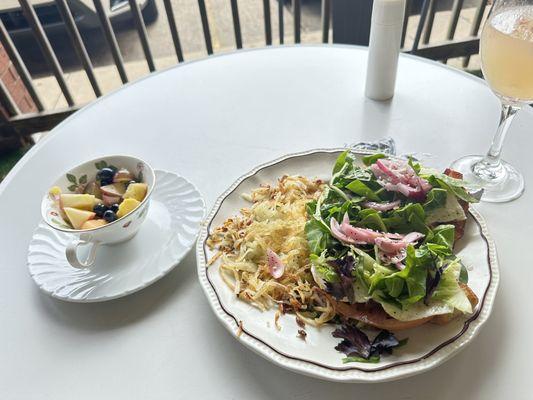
(72, 253)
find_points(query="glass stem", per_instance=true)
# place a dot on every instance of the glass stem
(490, 167)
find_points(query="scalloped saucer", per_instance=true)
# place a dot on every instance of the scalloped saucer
(167, 234)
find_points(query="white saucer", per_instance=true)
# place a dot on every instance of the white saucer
(167, 234)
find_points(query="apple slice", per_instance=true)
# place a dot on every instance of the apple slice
(93, 188)
(114, 190)
(136, 191)
(123, 175)
(110, 200)
(78, 217)
(93, 223)
(80, 201)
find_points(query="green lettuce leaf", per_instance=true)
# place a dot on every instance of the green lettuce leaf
(436, 198)
(452, 185)
(361, 189)
(318, 236)
(407, 219)
(405, 287)
(372, 359)
(449, 290)
(371, 159)
(341, 160)
(444, 235)
(371, 219)
(416, 166)
(324, 270)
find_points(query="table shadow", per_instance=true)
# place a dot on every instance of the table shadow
(124, 311)
(460, 377)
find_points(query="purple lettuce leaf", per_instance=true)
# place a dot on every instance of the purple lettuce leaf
(344, 287)
(356, 344)
(384, 342)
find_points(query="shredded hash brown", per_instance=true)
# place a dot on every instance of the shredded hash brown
(276, 221)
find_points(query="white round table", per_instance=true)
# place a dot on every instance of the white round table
(211, 121)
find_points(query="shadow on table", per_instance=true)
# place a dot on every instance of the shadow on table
(124, 311)
(459, 378)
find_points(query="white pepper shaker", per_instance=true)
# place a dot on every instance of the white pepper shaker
(384, 48)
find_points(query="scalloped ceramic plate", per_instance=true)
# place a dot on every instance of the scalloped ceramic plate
(167, 234)
(428, 346)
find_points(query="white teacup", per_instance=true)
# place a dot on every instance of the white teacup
(117, 231)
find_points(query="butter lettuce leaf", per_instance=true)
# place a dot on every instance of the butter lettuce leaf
(449, 291)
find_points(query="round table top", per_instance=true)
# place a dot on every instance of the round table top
(211, 121)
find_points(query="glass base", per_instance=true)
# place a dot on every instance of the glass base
(500, 185)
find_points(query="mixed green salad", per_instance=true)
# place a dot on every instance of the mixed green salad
(381, 237)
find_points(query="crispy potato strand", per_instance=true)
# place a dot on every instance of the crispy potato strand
(275, 220)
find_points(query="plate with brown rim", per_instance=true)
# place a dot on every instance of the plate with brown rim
(429, 345)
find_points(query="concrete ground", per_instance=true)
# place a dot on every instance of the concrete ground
(191, 35)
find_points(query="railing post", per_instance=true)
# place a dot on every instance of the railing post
(77, 42)
(20, 67)
(236, 24)
(205, 27)
(326, 19)
(351, 21)
(111, 40)
(46, 47)
(173, 29)
(280, 22)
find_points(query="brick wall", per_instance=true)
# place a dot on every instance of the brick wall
(15, 86)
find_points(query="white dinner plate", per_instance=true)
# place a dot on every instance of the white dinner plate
(429, 345)
(165, 237)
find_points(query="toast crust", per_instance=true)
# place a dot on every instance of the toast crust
(371, 313)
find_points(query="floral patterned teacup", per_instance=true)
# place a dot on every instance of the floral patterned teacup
(117, 231)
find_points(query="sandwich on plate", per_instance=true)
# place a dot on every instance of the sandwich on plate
(371, 250)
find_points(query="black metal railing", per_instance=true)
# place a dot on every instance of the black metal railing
(43, 119)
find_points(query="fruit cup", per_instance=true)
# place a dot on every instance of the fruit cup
(76, 181)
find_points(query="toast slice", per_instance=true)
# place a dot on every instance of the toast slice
(371, 313)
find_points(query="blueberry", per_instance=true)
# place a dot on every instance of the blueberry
(113, 168)
(100, 209)
(105, 176)
(110, 216)
(114, 208)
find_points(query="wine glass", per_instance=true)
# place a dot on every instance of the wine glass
(506, 48)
